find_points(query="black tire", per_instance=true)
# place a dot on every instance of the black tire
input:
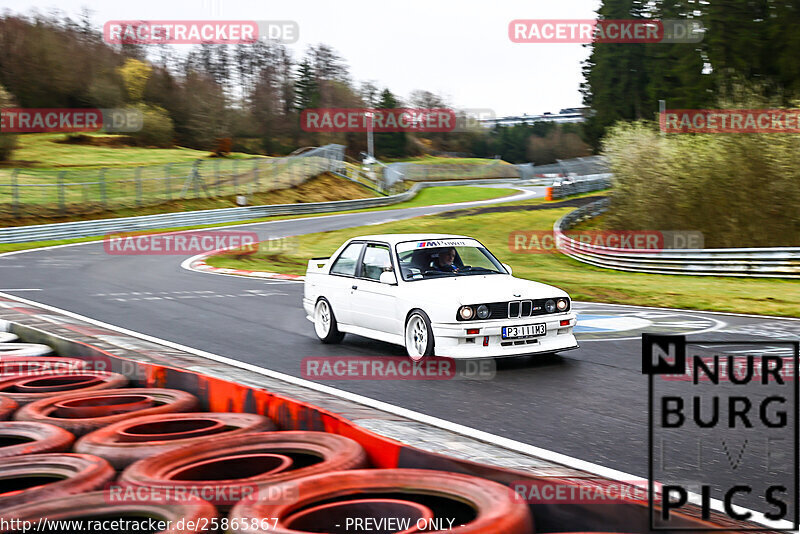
(327, 332)
(416, 348)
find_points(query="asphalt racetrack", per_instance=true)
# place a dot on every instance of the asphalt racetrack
(589, 403)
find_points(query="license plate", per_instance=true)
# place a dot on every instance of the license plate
(528, 330)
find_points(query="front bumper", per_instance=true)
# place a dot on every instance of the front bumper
(452, 340)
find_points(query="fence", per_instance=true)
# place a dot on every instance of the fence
(424, 172)
(777, 262)
(31, 191)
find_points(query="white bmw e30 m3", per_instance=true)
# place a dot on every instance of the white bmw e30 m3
(436, 295)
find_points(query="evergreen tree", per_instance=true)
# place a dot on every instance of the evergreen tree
(390, 145)
(305, 88)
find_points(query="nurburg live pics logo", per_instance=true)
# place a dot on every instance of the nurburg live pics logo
(725, 436)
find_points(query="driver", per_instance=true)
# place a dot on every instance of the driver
(445, 261)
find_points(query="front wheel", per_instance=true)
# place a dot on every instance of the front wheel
(419, 336)
(325, 323)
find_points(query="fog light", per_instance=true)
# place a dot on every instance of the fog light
(473, 331)
(564, 322)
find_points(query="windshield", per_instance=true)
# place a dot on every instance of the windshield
(442, 258)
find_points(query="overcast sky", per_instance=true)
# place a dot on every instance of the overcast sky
(457, 48)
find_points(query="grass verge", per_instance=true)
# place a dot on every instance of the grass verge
(45, 151)
(583, 282)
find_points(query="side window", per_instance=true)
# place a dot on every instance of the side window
(376, 260)
(346, 262)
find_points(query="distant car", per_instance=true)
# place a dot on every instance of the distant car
(473, 308)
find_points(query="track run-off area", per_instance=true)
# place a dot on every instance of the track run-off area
(589, 404)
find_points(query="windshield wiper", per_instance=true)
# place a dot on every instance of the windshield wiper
(479, 270)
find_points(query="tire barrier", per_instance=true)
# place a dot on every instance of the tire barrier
(8, 337)
(23, 349)
(310, 481)
(140, 437)
(26, 389)
(100, 505)
(24, 437)
(246, 463)
(7, 407)
(461, 504)
(31, 365)
(81, 413)
(337, 513)
(42, 476)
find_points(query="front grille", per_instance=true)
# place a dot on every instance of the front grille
(498, 310)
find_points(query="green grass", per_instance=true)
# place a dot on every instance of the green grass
(583, 282)
(42, 151)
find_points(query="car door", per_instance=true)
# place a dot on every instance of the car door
(341, 281)
(374, 303)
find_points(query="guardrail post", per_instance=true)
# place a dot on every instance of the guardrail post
(102, 187)
(256, 177)
(235, 177)
(14, 193)
(216, 175)
(168, 181)
(138, 176)
(196, 178)
(62, 205)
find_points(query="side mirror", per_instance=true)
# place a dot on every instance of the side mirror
(388, 277)
(508, 267)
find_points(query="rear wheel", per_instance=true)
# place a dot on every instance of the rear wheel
(419, 335)
(325, 323)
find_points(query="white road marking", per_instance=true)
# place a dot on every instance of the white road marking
(506, 443)
(22, 289)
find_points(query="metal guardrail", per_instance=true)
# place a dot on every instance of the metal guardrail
(777, 262)
(78, 229)
(565, 187)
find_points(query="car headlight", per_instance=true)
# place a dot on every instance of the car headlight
(466, 312)
(550, 306)
(561, 304)
(483, 311)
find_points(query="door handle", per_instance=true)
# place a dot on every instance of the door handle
(355, 287)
